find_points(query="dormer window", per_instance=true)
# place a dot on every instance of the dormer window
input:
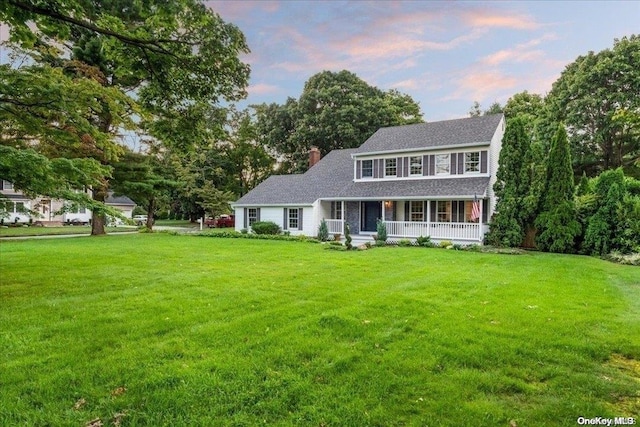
(415, 163)
(391, 167)
(443, 163)
(367, 169)
(472, 162)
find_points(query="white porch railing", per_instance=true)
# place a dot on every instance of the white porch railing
(335, 226)
(436, 230)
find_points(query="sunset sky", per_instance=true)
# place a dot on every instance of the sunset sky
(445, 54)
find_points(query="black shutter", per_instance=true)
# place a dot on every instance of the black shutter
(424, 210)
(485, 210)
(333, 210)
(376, 173)
(433, 211)
(257, 214)
(453, 167)
(285, 220)
(483, 161)
(405, 166)
(358, 169)
(246, 220)
(432, 165)
(454, 211)
(399, 167)
(460, 163)
(425, 165)
(299, 218)
(406, 210)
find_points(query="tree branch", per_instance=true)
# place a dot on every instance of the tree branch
(153, 45)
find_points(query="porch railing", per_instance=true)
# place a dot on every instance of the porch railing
(335, 226)
(436, 230)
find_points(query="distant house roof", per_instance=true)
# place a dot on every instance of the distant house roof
(118, 200)
(432, 135)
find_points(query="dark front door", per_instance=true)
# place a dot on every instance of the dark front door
(371, 213)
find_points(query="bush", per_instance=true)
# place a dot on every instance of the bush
(266, 227)
(381, 229)
(323, 231)
(446, 244)
(381, 242)
(424, 241)
(347, 237)
(244, 231)
(404, 242)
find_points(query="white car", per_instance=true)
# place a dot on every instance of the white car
(140, 219)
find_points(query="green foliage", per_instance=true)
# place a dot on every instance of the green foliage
(596, 97)
(381, 242)
(347, 237)
(445, 244)
(614, 223)
(335, 110)
(424, 241)
(381, 230)
(323, 231)
(404, 243)
(265, 227)
(517, 195)
(557, 225)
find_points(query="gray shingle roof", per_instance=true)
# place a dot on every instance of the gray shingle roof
(118, 200)
(432, 135)
(332, 177)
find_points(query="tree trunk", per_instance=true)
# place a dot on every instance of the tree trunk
(150, 210)
(98, 219)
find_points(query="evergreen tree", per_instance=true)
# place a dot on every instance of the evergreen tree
(511, 187)
(557, 224)
(602, 226)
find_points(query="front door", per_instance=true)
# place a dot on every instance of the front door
(371, 213)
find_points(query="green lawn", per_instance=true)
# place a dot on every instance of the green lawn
(155, 329)
(48, 231)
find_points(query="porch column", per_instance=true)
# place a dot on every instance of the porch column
(480, 203)
(343, 209)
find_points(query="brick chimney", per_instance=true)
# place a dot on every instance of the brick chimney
(314, 156)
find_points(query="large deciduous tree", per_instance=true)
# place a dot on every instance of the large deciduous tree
(175, 56)
(597, 97)
(335, 110)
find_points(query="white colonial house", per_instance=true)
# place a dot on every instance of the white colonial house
(16, 207)
(428, 179)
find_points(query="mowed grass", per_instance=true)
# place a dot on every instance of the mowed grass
(52, 231)
(154, 329)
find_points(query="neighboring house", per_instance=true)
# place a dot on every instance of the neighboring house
(428, 179)
(17, 207)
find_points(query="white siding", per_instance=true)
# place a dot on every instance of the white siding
(494, 156)
(276, 214)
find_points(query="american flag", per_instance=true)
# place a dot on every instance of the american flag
(475, 209)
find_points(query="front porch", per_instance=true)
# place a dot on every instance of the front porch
(458, 221)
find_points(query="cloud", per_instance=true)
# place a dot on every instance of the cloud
(498, 19)
(482, 85)
(238, 10)
(262, 89)
(522, 52)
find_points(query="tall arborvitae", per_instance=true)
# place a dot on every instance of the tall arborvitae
(557, 224)
(511, 187)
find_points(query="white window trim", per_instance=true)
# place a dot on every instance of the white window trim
(291, 214)
(446, 156)
(411, 173)
(467, 162)
(395, 167)
(251, 219)
(362, 175)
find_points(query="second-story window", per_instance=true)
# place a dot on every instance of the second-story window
(442, 164)
(472, 162)
(367, 168)
(390, 167)
(415, 165)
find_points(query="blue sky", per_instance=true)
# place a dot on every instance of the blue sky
(445, 54)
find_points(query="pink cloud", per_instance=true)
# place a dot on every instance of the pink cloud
(482, 85)
(498, 19)
(262, 89)
(520, 53)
